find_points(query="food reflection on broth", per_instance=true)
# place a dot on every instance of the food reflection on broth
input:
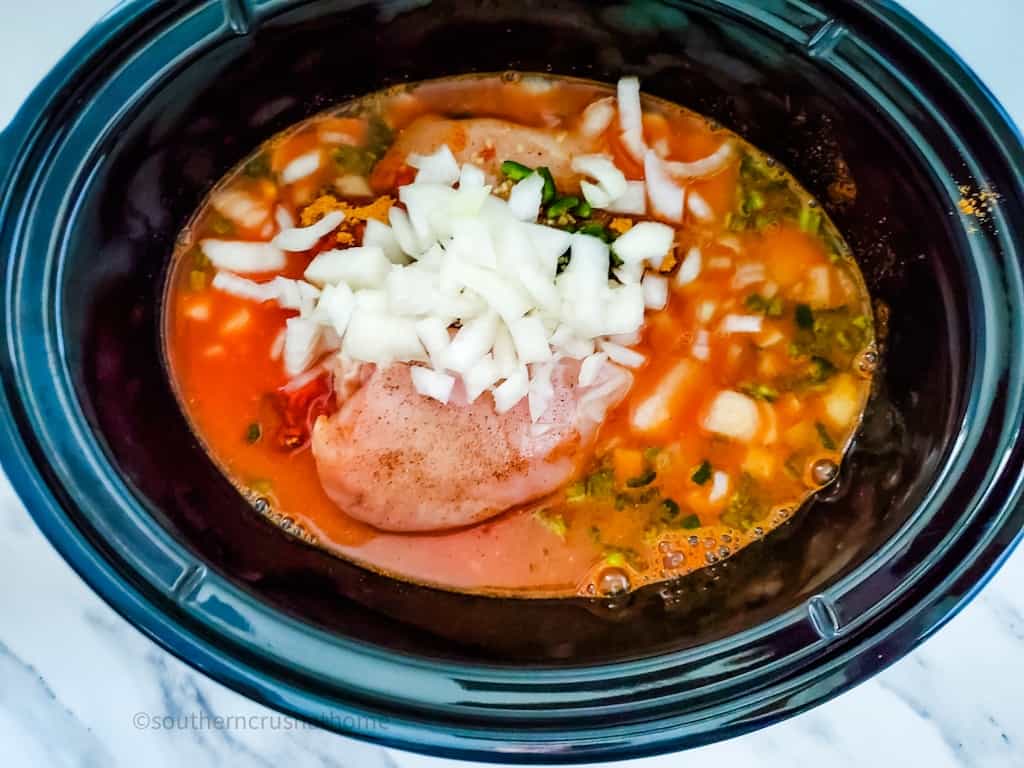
(519, 335)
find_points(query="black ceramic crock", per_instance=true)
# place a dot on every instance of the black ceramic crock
(111, 154)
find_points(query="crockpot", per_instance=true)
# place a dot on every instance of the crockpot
(106, 161)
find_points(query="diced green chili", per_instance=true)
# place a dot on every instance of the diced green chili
(826, 440)
(253, 433)
(197, 279)
(641, 480)
(259, 166)
(549, 192)
(510, 169)
(755, 302)
(615, 559)
(774, 308)
(650, 454)
(562, 206)
(596, 229)
(553, 522)
(804, 316)
(220, 224)
(761, 392)
(809, 220)
(576, 492)
(601, 483)
(690, 522)
(669, 509)
(583, 209)
(821, 369)
(702, 474)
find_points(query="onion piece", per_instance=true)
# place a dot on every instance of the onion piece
(701, 349)
(473, 340)
(530, 340)
(304, 238)
(335, 307)
(405, 235)
(690, 269)
(361, 267)
(742, 324)
(481, 377)
(432, 383)
(243, 256)
(244, 289)
(748, 274)
(503, 297)
(648, 241)
(512, 390)
(541, 392)
(719, 486)
(377, 337)
(665, 195)
(698, 206)
(565, 341)
(381, 235)
(591, 367)
(732, 414)
(631, 116)
(471, 176)
(622, 355)
(277, 345)
(633, 201)
(283, 218)
(351, 185)
(437, 168)
(655, 288)
(526, 196)
(595, 196)
(602, 169)
(706, 166)
(433, 334)
(301, 344)
(301, 167)
(413, 291)
(597, 117)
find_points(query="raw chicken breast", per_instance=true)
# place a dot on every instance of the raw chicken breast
(403, 462)
(486, 143)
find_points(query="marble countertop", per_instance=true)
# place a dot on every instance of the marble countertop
(81, 687)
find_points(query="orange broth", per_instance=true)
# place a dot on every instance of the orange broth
(649, 507)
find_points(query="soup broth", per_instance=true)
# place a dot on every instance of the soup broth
(748, 377)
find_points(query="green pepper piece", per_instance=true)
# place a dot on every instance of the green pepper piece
(562, 206)
(690, 522)
(510, 169)
(583, 209)
(253, 433)
(826, 439)
(258, 167)
(804, 316)
(641, 480)
(809, 220)
(702, 474)
(549, 185)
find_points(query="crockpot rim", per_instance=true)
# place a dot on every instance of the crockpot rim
(89, 562)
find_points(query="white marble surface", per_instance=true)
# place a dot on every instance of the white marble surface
(74, 676)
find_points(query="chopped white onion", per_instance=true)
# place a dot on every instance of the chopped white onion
(631, 116)
(742, 324)
(732, 414)
(690, 269)
(471, 176)
(591, 367)
(381, 235)
(376, 337)
(701, 349)
(719, 486)
(706, 310)
(747, 274)
(413, 291)
(525, 198)
(243, 256)
(351, 185)
(481, 377)
(284, 218)
(405, 235)
(304, 238)
(632, 201)
(243, 288)
(597, 117)
(335, 307)
(565, 341)
(241, 207)
(277, 345)
(432, 383)
(512, 390)
(720, 262)
(595, 196)
(433, 334)
(623, 355)
(301, 344)
(473, 340)
(706, 166)
(301, 167)
(530, 340)
(437, 168)
(655, 289)
(665, 195)
(361, 267)
(648, 241)
(698, 206)
(602, 169)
